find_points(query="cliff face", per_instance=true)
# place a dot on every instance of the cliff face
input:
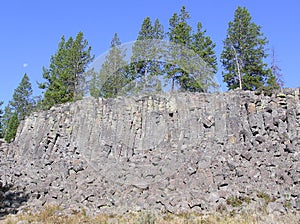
(176, 153)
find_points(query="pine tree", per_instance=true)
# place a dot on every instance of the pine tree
(244, 53)
(180, 30)
(94, 83)
(113, 75)
(205, 48)
(274, 80)
(12, 128)
(65, 76)
(276, 72)
(38, 103)
(193, 65)
(146, 54)
(205, 63)
(20, 106)
(158, 30)
(180, 38)
(22, 102)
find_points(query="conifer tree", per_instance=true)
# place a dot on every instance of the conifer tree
(12, 128)
(94, 83)
(194, 62)
(244, 53)
(158, 30)
(113, 75)
(274, 80)
(147, 52)
(65, 76)
(17, 109)
(180, 38)
(22, 102)
(205, 48)
(276, 72)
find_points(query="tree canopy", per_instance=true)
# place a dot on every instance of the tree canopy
(145, 63)
(244, 53)
(113, 74)
(183, 58)
(21, 105)
(65, 76)
(23, 102)
(195, 61)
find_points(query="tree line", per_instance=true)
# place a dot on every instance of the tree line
(158, 58)
(192, 67)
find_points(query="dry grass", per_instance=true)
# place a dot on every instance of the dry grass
(54, 215)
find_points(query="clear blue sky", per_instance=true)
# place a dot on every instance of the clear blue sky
(31, 30)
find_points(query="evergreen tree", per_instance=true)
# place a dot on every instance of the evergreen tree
(244, 53)
(38, 103)
(158, 30)
(113, 75)
(180, 30)
(146, 54)
(1, 121)
(274, 80)
(270, 86)
(158, 52)
(206, 62)
(20, 106)
(94, 83)
(22, 103)
(276, 72)
(193, 65)
(12, 128)
(65, 76)
(180, 37)
(205, 48)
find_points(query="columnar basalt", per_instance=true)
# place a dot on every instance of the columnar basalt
(166, 152)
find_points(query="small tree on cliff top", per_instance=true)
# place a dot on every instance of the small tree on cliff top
(244, 53)
(65, 75)
(113, 75)
(22, 102)
(145, 64)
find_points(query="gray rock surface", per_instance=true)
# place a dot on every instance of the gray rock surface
(186, 152)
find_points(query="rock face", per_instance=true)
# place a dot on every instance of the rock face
(178, 153)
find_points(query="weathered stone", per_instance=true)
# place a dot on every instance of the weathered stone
(247, 155)
(275, 207)
(251, 107)
(170, 152)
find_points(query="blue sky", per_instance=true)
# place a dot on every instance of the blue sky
(31, 30)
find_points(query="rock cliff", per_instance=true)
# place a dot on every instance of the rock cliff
(183, 152)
